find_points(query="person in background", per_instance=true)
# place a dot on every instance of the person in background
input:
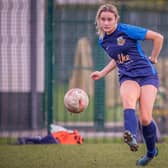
(138, 76)
(62, 136)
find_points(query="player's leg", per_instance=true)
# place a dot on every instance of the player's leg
(147, 99)
(29, 140)
(48, 139)
(130, 92)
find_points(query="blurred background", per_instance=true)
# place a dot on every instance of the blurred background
(50, 46)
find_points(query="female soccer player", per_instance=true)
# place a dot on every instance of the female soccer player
(137, 75)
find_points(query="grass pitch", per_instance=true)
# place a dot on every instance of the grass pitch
(111, 155)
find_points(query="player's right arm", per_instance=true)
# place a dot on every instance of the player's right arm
(96, 75)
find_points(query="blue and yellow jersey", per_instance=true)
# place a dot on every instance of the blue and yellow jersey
(123, 45)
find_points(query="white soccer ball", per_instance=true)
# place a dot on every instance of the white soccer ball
(76, 100)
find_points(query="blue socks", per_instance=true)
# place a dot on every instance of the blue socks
(149, 133)
(130, 121)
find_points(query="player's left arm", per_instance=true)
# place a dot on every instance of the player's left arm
(157, 39)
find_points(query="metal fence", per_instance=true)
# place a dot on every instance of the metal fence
(21, 66)
(62, 38)
(76, 53)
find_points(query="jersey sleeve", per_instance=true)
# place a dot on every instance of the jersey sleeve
(134, 32)
(100, 41)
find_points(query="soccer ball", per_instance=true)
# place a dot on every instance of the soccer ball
(76, 100)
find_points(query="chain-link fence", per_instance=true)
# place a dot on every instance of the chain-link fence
(76, 52)
(60, 35)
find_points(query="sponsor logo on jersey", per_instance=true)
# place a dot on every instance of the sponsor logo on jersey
(123, 58)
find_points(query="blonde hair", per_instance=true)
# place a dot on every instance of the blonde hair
(104, 8)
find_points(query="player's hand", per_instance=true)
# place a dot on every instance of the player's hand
(153, 60)
(96, 75)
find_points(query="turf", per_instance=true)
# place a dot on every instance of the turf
(110, 155)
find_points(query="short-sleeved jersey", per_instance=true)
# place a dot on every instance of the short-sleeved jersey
(124, 47)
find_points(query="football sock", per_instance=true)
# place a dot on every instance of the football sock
(130, 121)
(149, 133)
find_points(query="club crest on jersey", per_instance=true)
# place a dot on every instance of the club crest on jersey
(120, 41)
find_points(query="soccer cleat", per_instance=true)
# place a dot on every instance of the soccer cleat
(143, 161)
(131, 141)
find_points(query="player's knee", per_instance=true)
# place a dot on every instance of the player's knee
(145, 120)
(129, 103)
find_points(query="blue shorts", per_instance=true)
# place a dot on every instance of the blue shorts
(147, 80)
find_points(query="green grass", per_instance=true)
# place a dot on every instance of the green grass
(110, 155)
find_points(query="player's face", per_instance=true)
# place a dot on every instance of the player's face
(108, 22)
